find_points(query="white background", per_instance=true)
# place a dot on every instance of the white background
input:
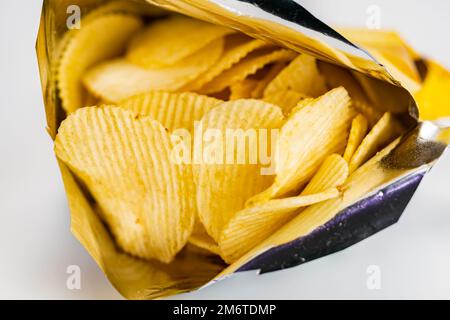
(36, 245)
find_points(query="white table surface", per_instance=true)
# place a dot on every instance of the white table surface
(36, 246)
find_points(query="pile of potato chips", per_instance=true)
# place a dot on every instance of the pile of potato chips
(129, 84)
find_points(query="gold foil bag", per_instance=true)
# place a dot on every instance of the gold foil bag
(384, 69)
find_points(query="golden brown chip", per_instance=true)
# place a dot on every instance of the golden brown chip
(237, 47)
(384, 131)
(226, 181)
(168, 41)
(245, 67)
(126, 164)
(251, 225)
(357, 133)
(119, 79)
(311, 133)
(173, 110)
(301, 75)
(99, 39)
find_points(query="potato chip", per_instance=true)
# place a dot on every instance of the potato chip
(99, 39)
(386, 130)
(119, 79)
(126, 165)
(357, 133)
(167, 42)
(309, 135)
(237, 47)
(286, 99)
(243, 89)
(247, 66)
(224, 185)
(251, 225)
(173, 110)
(301, 75)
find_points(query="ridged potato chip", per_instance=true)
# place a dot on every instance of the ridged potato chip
(245, 67)
(119, 79)
(310, 134)
(223, 186)
(301, 75)
(126, 164)
(168, 41)
(99, 39)
(384, 131)
(252, 225)
(286, 99)
(173, 109)
(236, 47)
(357, 133)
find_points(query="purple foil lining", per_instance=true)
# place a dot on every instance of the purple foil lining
(351, 225)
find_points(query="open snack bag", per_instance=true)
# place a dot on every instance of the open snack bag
(200, 138)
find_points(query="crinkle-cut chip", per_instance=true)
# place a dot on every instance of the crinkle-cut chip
(237, 47)
(309, 135)
(274, 70)
(250, 226)
(286, 99)
(174, 110)
(225, 182)
(357, 133)
(99, 39)
(200, 238)
(243, 89)
(432, 98)
(168, 41)
(119, 79)
(332, 173)
(385, 131)
(125, 162)
(246, 67)
(301, 75)
(372, 115)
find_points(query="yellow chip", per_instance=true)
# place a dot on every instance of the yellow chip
(200, 238)
(310, 134)
(146, 199)
(119, 79)
(237, 47)
(250, 226)
(231, 132)
(301, 75)
(99, 39)
(173, 110)
(286, 99)
(169, 41)
(246, 67)
(384, 131)
(357, 134)
(243, 89)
